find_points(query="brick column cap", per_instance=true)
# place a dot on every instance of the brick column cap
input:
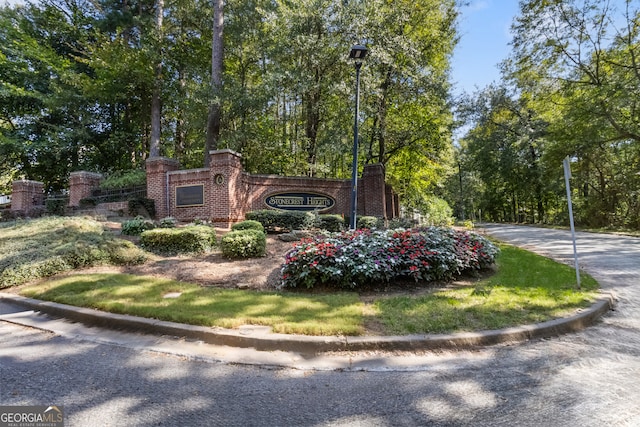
(28, 181)
(373, 169)
(86, 174)
(160, 159)
(225, 151)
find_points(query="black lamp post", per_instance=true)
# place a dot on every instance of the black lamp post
(358, 54)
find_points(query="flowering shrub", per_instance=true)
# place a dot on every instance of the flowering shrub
(474, 252)
(357, 258)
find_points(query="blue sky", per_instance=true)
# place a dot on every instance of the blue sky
(484, 37)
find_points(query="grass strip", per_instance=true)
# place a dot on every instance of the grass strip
(329, 314)
(526, 289)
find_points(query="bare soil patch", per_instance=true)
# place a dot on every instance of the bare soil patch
(212, 269)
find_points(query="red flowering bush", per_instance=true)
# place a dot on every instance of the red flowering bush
(357, 258)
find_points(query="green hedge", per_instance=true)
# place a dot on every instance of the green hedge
(273, 220)
(333, 223)
(248, 225)
(185, 240)
(369, 222)
(123, 179)
(244, 244)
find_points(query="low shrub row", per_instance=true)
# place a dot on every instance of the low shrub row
(285, 221)
(245, 243)
(275, 221)
(184, 240)
(137, 225)
(248, 225)
(359, 258)
(245, 240)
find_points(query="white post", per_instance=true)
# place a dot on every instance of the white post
(567, 175)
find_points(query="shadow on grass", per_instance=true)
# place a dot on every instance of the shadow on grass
(526, 289)
(330, 314)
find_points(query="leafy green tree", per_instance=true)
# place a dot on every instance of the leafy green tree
(217, 61)
(409, 119)
(104, 85)
(45, 121)
(505, 147)
(575, 63)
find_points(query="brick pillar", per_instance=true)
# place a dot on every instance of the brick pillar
(228, 201)
(157, 182)
(396, 203)
(27, 197)
(372, 192)
(391, 202)
(81, 184)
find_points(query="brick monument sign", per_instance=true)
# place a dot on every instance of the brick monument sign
(223, 193)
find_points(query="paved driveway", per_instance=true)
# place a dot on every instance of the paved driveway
(588, 379)
(613, 260)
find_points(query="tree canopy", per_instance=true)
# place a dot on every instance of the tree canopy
(102, 85)
(570, 89)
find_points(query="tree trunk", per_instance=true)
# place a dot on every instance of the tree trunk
(181, 131)
(215, 108)
(382, 117)
(312, 123)
(156, 103)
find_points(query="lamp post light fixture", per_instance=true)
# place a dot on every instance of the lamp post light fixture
(357, 53)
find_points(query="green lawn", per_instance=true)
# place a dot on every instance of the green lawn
(526, 289)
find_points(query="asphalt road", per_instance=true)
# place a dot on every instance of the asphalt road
(584, 379)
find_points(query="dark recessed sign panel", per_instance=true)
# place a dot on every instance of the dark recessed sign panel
(300, 201)
(190, 195)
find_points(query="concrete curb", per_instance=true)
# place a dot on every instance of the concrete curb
(260, 338)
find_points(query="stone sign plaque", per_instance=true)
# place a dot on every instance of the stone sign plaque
(189, 195)
(300, 201)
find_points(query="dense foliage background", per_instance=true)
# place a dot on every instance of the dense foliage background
(102, 85)
(571, 88)
(82, 81)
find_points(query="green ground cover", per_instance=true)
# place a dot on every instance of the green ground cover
(526, 288)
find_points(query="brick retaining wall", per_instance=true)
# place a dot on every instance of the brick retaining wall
(227, 192)
(81, 184)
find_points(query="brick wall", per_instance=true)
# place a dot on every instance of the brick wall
(373, 192)
(157, 169)
(259, 187)
(186, 178)
(229, 192)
